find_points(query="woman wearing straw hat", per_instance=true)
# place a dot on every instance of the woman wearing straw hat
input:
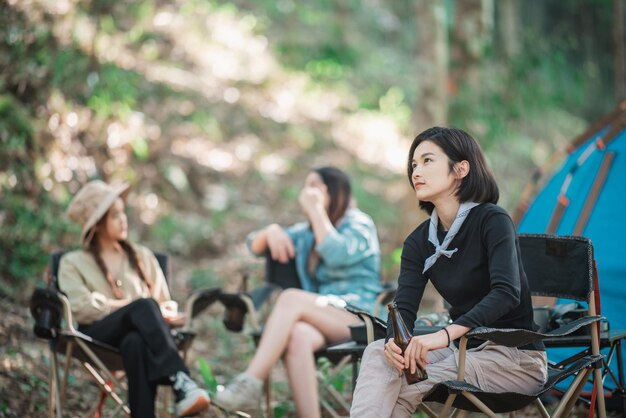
(115, 288)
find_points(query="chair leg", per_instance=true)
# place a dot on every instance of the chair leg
(329, 409)
(108, 388)
(268, 397)
(54, 397)
(446, 406)
(576, 386)
(426, 409)
(473, 399)
(337, 397)
(542, 409)
(66, 368)
(324, 387)
(599, 393)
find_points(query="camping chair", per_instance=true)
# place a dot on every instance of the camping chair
(280, 276)
(559, 266)
(53, 321)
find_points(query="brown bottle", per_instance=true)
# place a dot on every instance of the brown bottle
(402, 336)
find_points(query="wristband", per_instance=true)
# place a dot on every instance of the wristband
(448, 335)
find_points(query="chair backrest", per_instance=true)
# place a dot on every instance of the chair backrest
(558, 266)
(55, 261)
(283, 275)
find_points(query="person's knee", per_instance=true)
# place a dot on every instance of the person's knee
(289, 299)
(145, 305)
(303, 338)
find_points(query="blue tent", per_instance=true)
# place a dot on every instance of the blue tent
(586, 196)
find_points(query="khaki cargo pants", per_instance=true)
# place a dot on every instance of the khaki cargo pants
(382, 391)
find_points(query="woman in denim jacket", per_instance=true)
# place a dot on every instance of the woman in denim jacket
(337, 258)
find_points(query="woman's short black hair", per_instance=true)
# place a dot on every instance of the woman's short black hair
(479, 185)
(338, 184)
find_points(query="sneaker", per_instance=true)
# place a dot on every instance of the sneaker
(190, 399)
(242, 394)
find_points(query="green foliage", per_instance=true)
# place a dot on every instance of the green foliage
(207, 376)
(115, 93)
(71, 73)
(29, 224)
(205, 278)
(25, 55)
(140, 149)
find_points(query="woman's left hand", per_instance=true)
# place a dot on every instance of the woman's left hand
(418, 348)
(176, 320)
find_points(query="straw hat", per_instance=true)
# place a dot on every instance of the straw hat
(91, 203)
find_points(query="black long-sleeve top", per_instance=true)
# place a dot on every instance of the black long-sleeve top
(484, 281)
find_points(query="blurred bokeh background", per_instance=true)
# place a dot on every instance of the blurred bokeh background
(215, 110)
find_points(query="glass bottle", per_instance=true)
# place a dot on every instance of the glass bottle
(402, 336)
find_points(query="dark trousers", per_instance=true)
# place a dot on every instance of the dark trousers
(148, 350)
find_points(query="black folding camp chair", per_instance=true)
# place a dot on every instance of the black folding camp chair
(559, 266)
(53, 321)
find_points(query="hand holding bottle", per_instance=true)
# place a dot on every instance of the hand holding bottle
(402, 339)
(394, 355)
(415, 354)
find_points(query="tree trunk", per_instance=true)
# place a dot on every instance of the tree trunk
(431, 102)
(508, 19)
(472, 34)
(432, 64)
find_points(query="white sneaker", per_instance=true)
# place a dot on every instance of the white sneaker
(190, 399)
(242, 394)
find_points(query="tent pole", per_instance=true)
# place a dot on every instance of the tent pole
(594, 193)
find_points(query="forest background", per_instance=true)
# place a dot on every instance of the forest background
(214, 111)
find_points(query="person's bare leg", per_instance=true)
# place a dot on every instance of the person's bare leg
(299, 360)
(295, 305)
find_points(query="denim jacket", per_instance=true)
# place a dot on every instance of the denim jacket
(349, 265)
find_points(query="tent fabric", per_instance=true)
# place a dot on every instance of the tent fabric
(606, 226)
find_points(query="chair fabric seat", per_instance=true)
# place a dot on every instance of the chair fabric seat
(521, 337)
(504, 401)
(108, 354)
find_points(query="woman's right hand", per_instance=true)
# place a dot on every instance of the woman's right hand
(280, 244)
(393, 355)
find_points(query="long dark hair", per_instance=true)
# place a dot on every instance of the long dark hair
(479, 185)
(135, 262)
(338, 184)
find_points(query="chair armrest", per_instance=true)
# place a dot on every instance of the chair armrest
(511, 337)
(375, 327)
(46, 307)
(199, 300)
(238, 304)
(384, 297)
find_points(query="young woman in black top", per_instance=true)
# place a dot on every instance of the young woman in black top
(469, 250)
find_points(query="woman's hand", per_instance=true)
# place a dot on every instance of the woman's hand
(393, 355)
(176, 320)
(418, 348)
(311, 199)
(279, 243)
